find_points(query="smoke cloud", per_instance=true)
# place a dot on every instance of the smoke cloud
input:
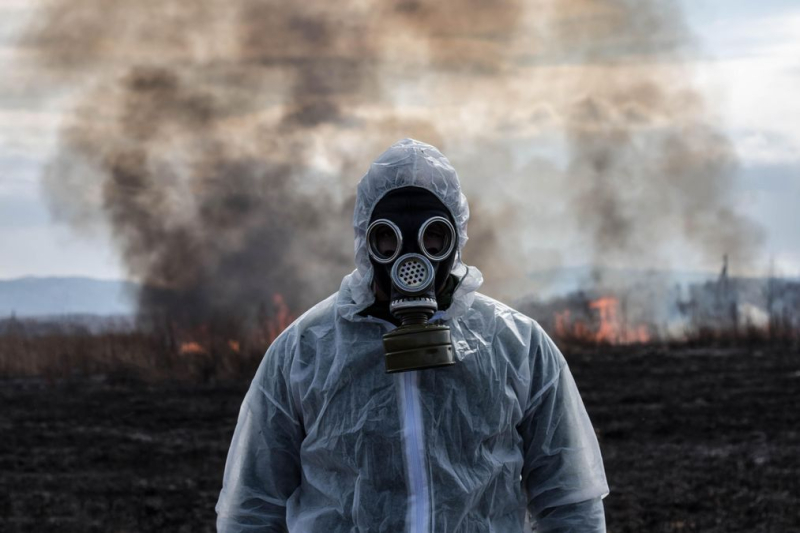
(646, 163)
(221, 141)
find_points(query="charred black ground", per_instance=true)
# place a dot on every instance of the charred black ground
(694, 440)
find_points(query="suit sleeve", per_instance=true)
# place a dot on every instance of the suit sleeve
(263, 466)
(563, 474)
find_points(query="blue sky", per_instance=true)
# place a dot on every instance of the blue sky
(749, 70)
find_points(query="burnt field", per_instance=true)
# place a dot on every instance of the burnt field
(694, 439)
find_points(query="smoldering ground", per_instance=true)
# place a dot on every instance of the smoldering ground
(221, 141)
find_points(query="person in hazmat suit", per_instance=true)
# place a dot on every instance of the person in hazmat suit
(407, 401)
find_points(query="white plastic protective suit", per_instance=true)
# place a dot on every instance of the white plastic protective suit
(326, 441)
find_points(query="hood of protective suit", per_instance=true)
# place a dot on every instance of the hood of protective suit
(408, 163)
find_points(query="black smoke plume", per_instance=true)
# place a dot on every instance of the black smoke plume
(222, 140)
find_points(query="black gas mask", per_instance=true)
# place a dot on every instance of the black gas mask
(412, 246)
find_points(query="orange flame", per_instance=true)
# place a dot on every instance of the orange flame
(281, 320)
(609, 323)
(609, 328)
(562, 323)
(202, 341)
(191, 347)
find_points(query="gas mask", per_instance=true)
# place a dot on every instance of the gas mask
(412, 246)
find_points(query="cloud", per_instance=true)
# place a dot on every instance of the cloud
(17, 5)
(765, 147)
(750, 70)
(765, 35)
(27, 134)
(52, 251)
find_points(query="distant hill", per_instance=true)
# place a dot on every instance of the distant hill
(32, 297)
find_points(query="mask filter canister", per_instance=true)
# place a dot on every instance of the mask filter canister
(415, 344)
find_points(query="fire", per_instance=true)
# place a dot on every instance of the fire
(195, 347)
(281, 320)
(203, 341)
(607, 324)
(562, 323)
(191, 347)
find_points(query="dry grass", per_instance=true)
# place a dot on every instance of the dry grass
(168, 354)
(774, 335)
(130, 355)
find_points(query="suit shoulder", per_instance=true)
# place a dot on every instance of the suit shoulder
(319, 317)
(323, 313)
(488, 305)
(506, 317)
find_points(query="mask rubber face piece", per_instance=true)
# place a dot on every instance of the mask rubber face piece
(410, 220)
(412, 245)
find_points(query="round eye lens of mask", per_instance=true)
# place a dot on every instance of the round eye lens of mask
(437, 238)
(384, 240)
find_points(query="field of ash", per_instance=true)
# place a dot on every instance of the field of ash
(694, 439)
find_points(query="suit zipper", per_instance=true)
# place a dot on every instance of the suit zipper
(419, 498)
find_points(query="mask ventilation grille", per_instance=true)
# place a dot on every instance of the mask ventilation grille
(413, 273)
